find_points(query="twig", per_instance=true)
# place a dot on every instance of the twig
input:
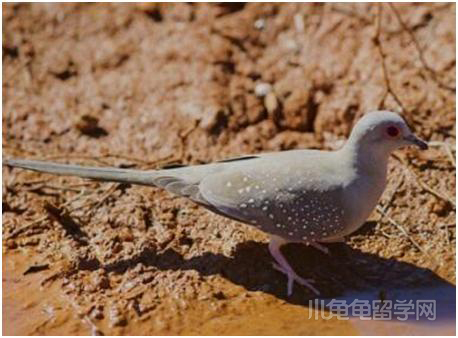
(378, 44)
(426, 187)
(447, 148)
(71, 227)
(38, 181)
(446, 229)
(446, 234)
(20, 230)
(183, 136)
(404, 232)
(94, 158)
(384, 232)
(421, 183)
(398, 184)
(350, 13)
(138, 160)
(110, 190)
(453, 225)
(82, 157)
(31, 224)
(19, 67)
(52, 187)
(94, 204)
(95, 331)
(419, 49)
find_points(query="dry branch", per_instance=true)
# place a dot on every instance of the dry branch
(421, 55)
(378, 44)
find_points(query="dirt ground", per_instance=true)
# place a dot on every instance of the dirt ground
(145, 86)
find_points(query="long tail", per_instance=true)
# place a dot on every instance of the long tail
(99, 174)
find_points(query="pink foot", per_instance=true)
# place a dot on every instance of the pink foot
(320, 247)
(282, 265)
(293, 277)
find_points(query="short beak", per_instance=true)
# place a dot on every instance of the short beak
(416, 141)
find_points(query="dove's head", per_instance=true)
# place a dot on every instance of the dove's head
(383, 132)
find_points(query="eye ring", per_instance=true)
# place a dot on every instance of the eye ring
(392, 131)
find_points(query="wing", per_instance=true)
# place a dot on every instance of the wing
(285, 193)
(279, 197)
(185, 180)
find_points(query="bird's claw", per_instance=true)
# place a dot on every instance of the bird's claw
(320, 247)
(293, 277)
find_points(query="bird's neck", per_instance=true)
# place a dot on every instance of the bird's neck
(369, 173)
(366, 158)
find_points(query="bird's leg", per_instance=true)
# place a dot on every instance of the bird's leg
(324, 249)
(283, 265)
(320, 247)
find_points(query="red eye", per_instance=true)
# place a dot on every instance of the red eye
(392, 131)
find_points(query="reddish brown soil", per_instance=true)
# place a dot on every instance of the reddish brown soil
(148, 85)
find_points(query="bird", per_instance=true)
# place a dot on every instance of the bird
(295, 196)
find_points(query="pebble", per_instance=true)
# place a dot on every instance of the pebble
(117, 318)
(271, 102)
(260, 24)
(441, 207)
(299, 23)
(262, 89)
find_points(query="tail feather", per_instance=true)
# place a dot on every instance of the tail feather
(99, 174)
(183, 181)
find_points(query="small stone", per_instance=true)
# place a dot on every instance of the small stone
(117, 318)
(291, 45)
(262, 89)
(101, 281)
(299, 23)
(260, 24)
(219, 295)
(126, 235)
(97, 312)
(11, 244)
(89, 125)
(271, 102)
(441, 207)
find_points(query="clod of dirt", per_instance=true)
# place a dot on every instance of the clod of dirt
(116, 316)
(298, 111)
(11, 244)
(97, 312)
(89, 125)
(214, 120)
(10, 51)
(100, 280)
(63, 70)
(441, 207)
(36, 268)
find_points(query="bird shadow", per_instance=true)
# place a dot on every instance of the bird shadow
(342, 272)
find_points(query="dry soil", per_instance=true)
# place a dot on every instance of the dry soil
(145, 86)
